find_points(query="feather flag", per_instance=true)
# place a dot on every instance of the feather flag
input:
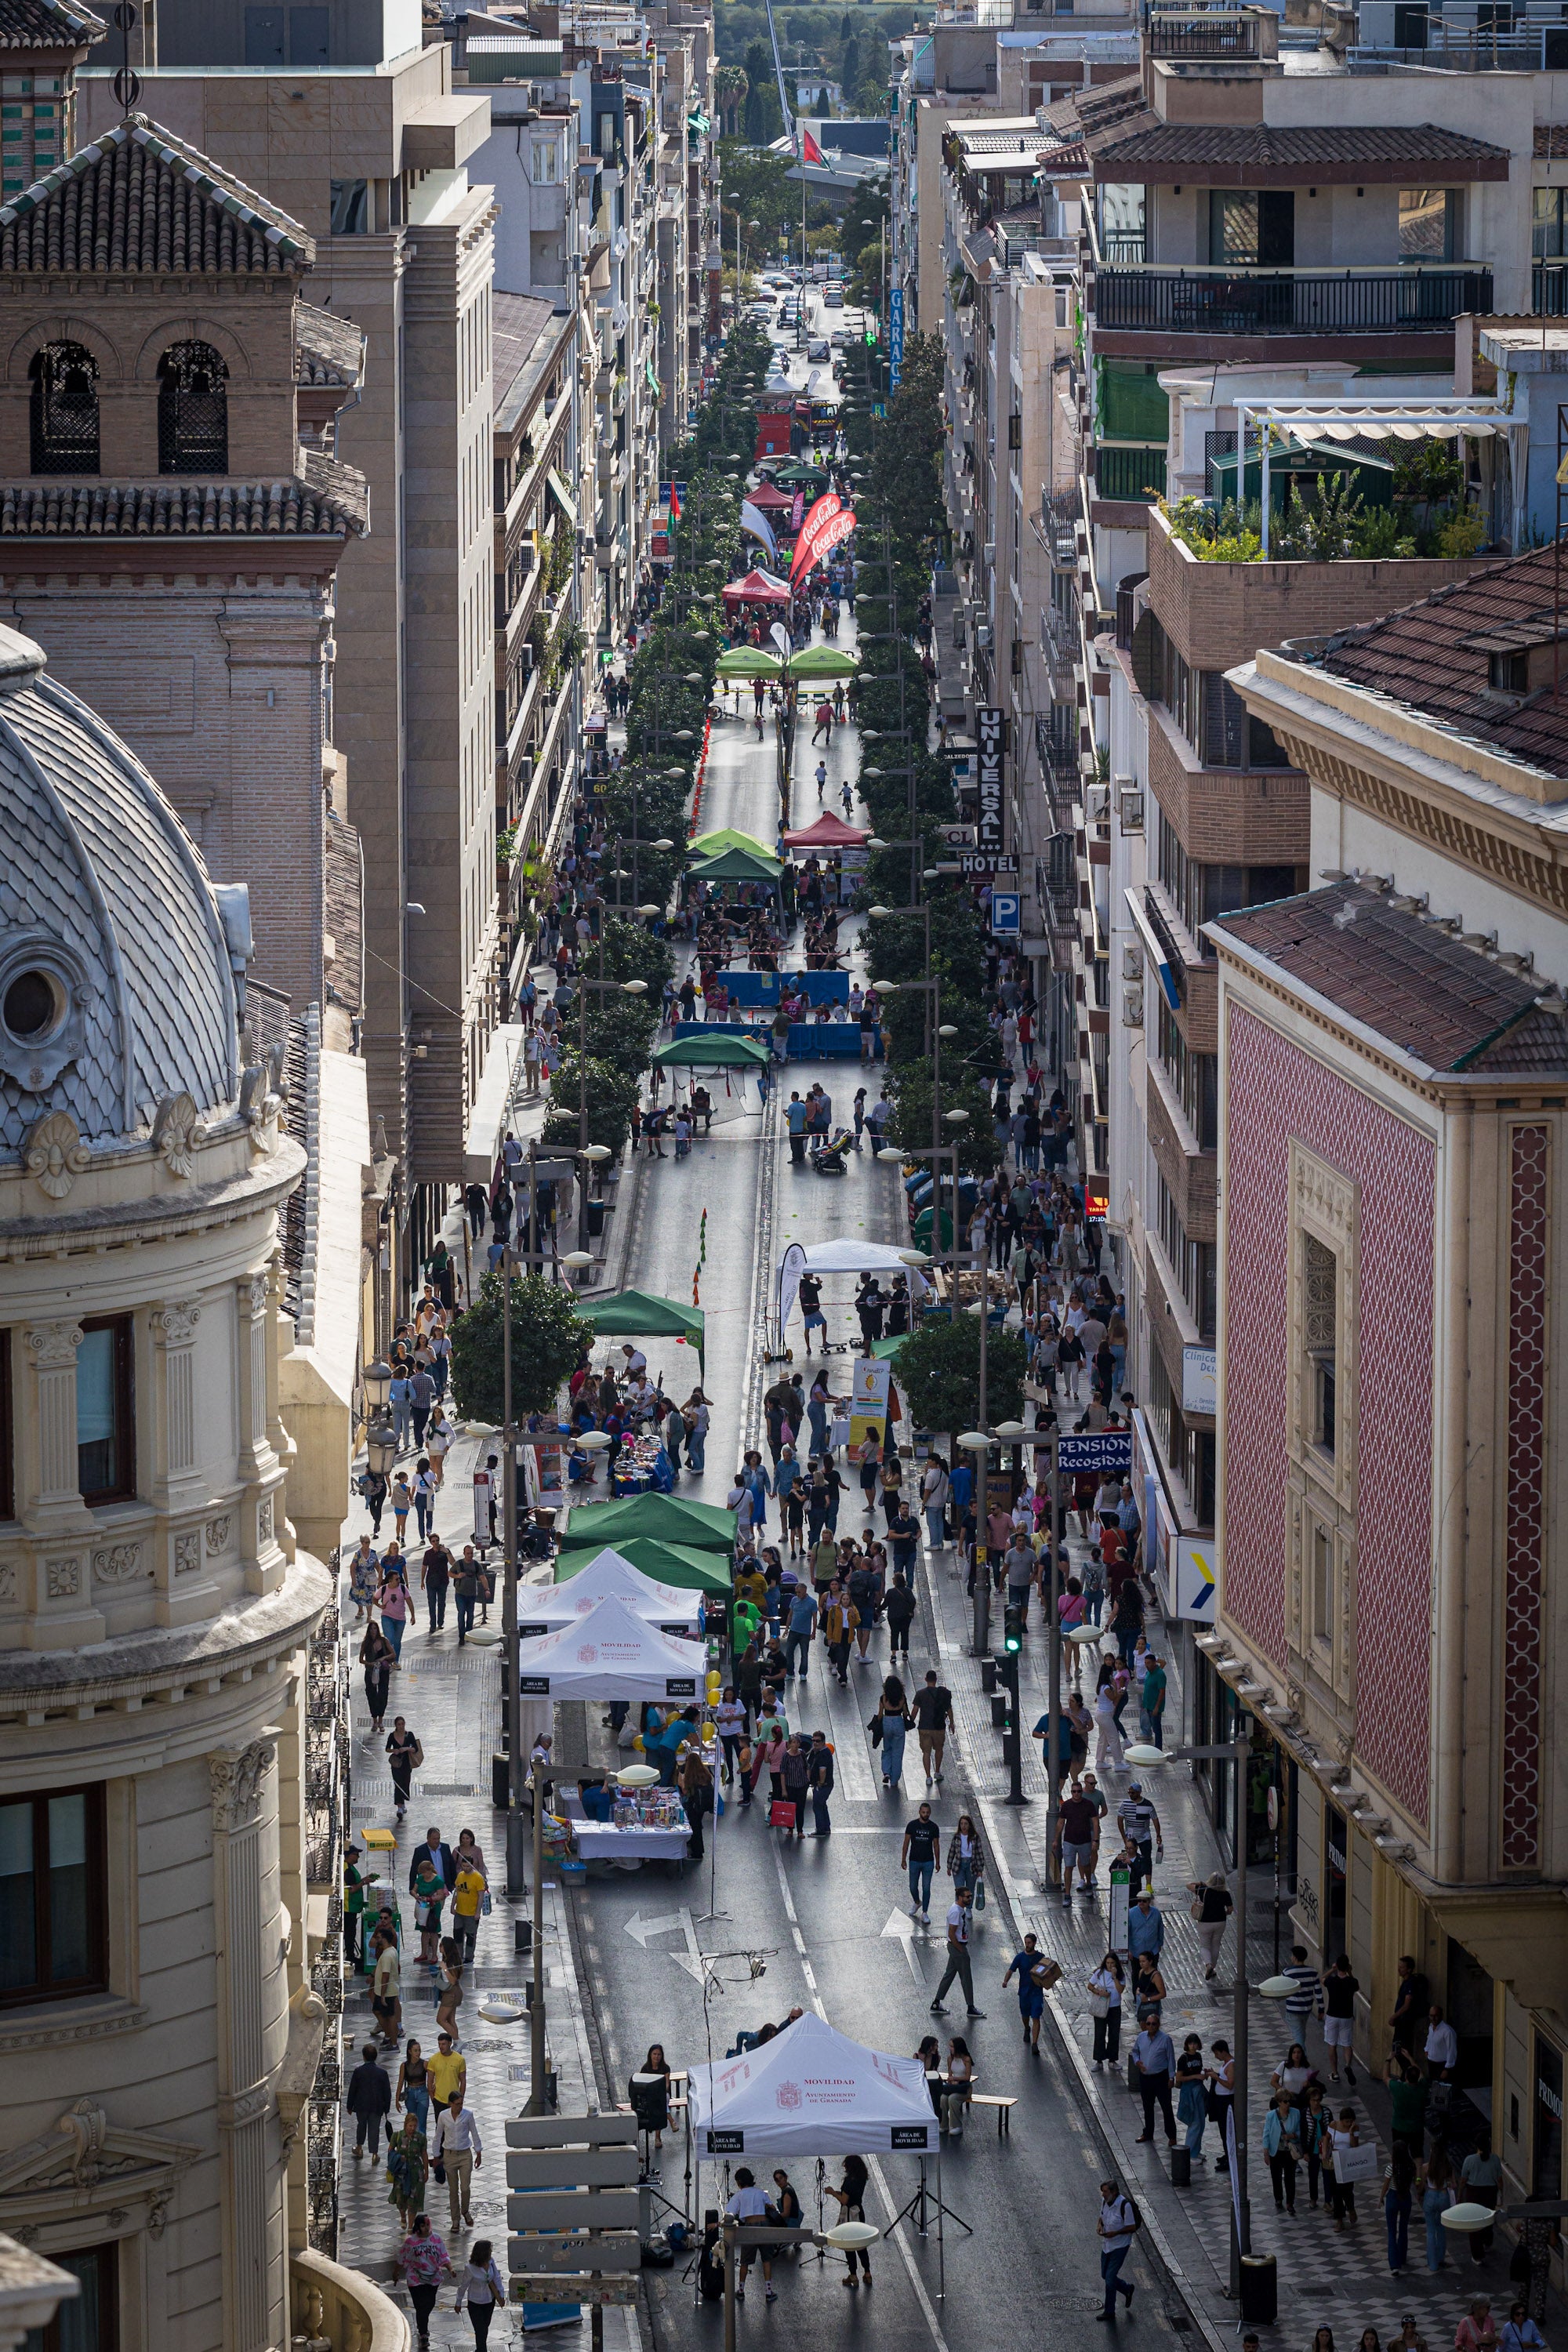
(753, 519)
(810, 152)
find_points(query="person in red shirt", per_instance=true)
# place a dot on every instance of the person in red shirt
(1117, 1564)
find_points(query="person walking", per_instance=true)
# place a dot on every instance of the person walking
(481, 2290)
(459, 2148)
(1398, 2195)
(1212, 1907)
(922, 1844)
(377, 1657)
(469, 1890)
(820, 1759)
(850, 2199)
(1105, 1990)
(392, 1600)
(406, 1756)
(1118, 2224)
(1281, 2149)
(899, 1610)
(466, 1592)
(1029, 1964)
(435, 1576)
(369, 2101)
(889, 1729)
(412, 2093)
(958, 1959)
(1340, 1989)
(1154, 2056)
(1192, 2092)
(933, 1720)
(423, 2260)
(1145, 1927)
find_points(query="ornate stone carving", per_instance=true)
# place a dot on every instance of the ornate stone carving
(158, 2213)
(62, 1579)
(118, 1563)
(53, 1345)
(7, 1584)
(177, 1129)
(256, 1293)
(264, 1522)
(218, 1532)
(188, 1552)
(177, 1323)
(86, 2128)
(236, 1777)
(259, 1106)
(54, 1154)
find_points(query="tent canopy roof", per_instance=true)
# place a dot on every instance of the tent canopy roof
(642, 1312)
(758, 587)
(708, 844)
(749, 661)
(599, 1575)
(680, 1568)
(828, 832)
(737, 865)
(811, 2092)
(823, 661)
(770, 499)
(610, 1653)
(672, 1518)
(723, 1051)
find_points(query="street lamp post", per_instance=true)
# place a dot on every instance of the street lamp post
(585, 1149)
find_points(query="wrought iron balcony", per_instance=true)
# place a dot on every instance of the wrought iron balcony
(1204, 301)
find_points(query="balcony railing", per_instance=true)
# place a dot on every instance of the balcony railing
(1199, 301)
(1121, 248)
(1122, 473)
(1549, 288)
(1214, 36)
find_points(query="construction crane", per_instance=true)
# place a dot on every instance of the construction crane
(799, 146)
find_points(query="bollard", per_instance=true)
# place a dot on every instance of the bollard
(1180, 2167)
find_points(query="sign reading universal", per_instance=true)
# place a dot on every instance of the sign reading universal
(989, 725)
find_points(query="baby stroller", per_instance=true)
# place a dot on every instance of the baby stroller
(827, 1157)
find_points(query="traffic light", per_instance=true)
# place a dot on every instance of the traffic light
(1012, 1629)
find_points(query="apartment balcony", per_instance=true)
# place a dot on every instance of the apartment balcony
(1211, 38)
(1549, 288)
(340, 2307)
(1412, 300)
(1129, 472)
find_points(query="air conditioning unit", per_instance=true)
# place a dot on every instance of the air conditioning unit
(1129, 808)
(982, 634)
(1132, 961)
(1133, 1007)
(1096, 803)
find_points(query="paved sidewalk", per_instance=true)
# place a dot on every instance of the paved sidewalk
(1327, 2276)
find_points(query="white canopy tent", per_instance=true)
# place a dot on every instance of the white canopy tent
(542, 1608)
(844, 1256)
(812, 2092)
(610, 1653)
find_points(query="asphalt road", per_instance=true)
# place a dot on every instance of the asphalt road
(829, 1920)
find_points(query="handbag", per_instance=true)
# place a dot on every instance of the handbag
(875, 1728)
(980, 1895)
(782, 1814)
(1098, 2003)
(485, 1904)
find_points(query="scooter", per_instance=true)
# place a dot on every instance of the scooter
(829, 1158)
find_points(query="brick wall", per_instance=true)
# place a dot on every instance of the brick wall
(1229, 817)
(1217, 614)
(1189, 1176)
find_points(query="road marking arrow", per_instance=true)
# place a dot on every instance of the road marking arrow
(670, 1923)
(901, 1925)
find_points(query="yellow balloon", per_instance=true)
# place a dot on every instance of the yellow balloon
(636, 1742)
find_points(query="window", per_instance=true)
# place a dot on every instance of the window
(91, 2321)
(64, 410)
(350, 208)
(1193, 1263)
(53, 1937)
(1546, 226)
(1320, 1329)
(1322, 1584)
(546, 162)
(1201, 894)
(192, 411)
(1428, 219)
(1252, 228)
(105, 1423)
(1194, 1080)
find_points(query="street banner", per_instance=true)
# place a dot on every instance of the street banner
(1120, 1878)
(817, 519)
(895, 337)
(838, 529)
(754, 520)
(990, 726)
(868, 1399)
(797, 512)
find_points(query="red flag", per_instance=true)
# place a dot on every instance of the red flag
(810, 152)
(674, 504)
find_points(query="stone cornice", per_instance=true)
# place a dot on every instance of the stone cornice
(159, 1217)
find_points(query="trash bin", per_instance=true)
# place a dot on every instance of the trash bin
(988, 1676)
(1000, 1702)
(500, 1793)
(595, 1218)
(1180, 2167)
(1259, 2289)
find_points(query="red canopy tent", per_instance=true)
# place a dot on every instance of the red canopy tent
(828, 832)
(770, 499)
(757, 588)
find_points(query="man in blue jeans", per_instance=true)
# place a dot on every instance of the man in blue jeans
(1118, 2226)
(802, 1626)
(922, 1844)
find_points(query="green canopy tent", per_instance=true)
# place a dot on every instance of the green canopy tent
(642, 1314)
(686, 1565)
(737, 866)
(749, 661)
(821, 661)
(887, 1350)
(794, 477)
(723, 1051)
(668, 1518)
(713, 844)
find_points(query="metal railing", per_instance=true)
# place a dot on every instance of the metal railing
(1549, 288)
(1121, 473)
(1121, 248)
(1537, 48)
(1201, 301)
(1214, 36)
(1058, 524)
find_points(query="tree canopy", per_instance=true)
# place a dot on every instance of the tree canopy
(548, 1335)
(939, 1372)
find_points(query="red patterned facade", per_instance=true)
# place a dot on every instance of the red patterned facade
(1276, 1093)
(1529, 1228)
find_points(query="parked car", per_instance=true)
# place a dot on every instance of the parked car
(818, 349)
(833, 299)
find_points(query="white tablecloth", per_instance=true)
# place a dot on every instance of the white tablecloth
(603, 1842)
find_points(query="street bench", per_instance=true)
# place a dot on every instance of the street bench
(1004, 2103)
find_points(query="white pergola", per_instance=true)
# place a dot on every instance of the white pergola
(1359, 420)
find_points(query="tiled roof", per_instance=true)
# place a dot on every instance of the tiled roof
(1264, 154)
(330, 349)
(1099, 108)
(1412, 984)
(325, 501)
(46, 25)
(1552, 142)
(139, 198)
(343, 905)
(1427, 656)
(521, 322)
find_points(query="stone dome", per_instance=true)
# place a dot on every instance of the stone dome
(118, 957)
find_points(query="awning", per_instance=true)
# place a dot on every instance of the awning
(652, 373)
(564, 497)
(1152, 949)
(646, 1317)
(1519, 1935)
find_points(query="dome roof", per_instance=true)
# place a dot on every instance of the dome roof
(116, 981)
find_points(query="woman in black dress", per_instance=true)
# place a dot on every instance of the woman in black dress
(850, 2196)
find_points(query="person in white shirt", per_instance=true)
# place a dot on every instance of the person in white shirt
(457, 2150)
(749, 2204)
(482, 2288)
(1117, 2228)
(1442, 2046)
